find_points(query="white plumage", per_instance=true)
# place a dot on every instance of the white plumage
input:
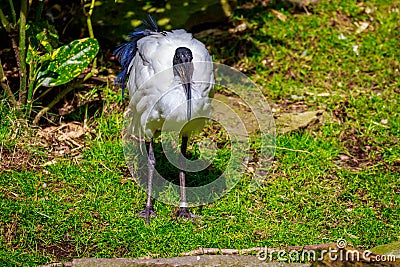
(152, 83)
(170, 81)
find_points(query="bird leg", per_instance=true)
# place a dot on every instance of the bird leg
(183, 210)
(148, 210)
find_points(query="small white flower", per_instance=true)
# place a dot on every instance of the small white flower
(355, 49)
(342, 37)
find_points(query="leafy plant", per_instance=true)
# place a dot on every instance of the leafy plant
(54, 67)
(48, 66)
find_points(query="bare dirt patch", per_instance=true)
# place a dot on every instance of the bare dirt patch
(17, 159)
(362, 150)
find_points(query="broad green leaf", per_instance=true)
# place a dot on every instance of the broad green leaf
(31, 55)
(47, 39)
(42, 37)
(68, 61)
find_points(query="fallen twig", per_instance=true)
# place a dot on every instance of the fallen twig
(57, 264)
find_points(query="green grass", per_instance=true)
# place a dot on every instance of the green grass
(342, 181)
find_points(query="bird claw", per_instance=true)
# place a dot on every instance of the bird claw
(147, 212)
(184, 213)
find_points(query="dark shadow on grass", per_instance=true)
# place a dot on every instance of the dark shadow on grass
(193, 179)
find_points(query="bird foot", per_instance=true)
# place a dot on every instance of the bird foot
(184, 213)
(147, 213)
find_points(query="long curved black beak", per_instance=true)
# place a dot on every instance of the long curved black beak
(188, 91)
(183, 67)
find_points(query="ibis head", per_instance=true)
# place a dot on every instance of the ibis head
(183, 68)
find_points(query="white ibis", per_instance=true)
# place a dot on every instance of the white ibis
(175, 53)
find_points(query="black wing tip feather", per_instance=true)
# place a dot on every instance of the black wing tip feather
(125, 52)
